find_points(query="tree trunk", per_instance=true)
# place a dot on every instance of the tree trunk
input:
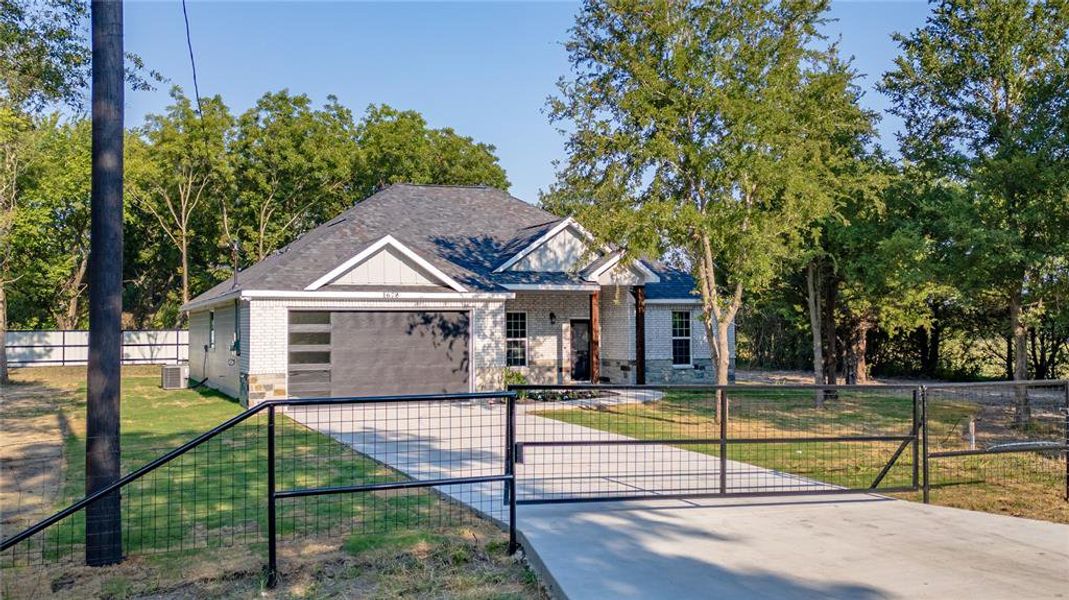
(69, 318)
(831, 337)
(1022, 409)
(1009, 357)
(184, 249)
(723, 355)
(935, 344)
(814, 324)
(4, 377)
(856, 367)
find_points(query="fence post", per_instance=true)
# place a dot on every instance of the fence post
(916, 440)
(272, 553)
(722, 399)
(510, 468)
(1066, 452)
(924, 443)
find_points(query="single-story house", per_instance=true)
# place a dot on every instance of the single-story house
(427, 289)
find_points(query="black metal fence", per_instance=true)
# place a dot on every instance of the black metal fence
(620, 442)
(297, 467)
(1005, 435)
(291, 468)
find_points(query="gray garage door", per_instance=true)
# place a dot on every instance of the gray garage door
(365, 353)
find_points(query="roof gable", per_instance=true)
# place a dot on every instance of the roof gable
(386, 262)
(558, 249)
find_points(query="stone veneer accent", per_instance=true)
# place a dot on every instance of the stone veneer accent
(618, 371)
(662, 371)
(265, 386)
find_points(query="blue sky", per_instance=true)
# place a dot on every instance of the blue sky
(482, 68)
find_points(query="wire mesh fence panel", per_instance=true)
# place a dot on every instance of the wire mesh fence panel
(604, 442)
(783, 440)
(297, 468)
(210, 496)
(366, 444)
(1009, 438)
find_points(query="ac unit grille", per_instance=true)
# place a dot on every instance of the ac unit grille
(175, 377)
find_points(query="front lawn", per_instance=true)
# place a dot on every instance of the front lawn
(208, 507)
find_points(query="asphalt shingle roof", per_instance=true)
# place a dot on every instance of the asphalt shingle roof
(465, 231)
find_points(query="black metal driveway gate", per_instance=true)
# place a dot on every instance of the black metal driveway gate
(606, 442)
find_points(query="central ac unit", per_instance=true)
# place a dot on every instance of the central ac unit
(175, 377)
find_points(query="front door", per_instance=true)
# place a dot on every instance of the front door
(580, 350)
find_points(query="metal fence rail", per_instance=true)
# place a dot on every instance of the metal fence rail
(1014, 436)
(295, 467)
(70, 347)
(588, 443)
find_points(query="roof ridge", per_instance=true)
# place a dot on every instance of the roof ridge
(444, 185)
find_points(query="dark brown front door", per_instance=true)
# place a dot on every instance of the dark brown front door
(580, 350)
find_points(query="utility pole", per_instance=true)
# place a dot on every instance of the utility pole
(103, 522)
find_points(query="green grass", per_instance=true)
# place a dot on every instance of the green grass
(215, 495)
(196, 527)
(981, 483)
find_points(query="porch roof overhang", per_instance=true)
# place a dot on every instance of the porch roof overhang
(552, 287)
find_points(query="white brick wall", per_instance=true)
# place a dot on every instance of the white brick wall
(549, 345)
(264, 325)
(617, 323)
(659, 331)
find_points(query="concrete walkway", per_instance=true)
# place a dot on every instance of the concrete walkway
(855, 546)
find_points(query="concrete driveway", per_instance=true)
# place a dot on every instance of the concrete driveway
(852, 546)
(834, 546)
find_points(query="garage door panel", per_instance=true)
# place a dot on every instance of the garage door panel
(383, 353)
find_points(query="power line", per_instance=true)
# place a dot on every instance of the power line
(192, 60)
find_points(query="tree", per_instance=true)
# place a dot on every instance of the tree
(50, 234)
(177, 172)
(398, 147)
(983, 89)
(293, 169)
(709, 131)
(44, 54)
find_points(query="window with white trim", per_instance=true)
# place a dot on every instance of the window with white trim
(516, 339)
(211, 330)
(680, 338)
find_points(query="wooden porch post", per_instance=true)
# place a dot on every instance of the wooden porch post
(639, 291)
(595, 337)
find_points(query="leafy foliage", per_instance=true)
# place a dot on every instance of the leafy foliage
(713, 131)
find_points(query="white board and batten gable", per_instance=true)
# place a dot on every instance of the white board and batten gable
(387, 263)
(559, 250)
(566, 248)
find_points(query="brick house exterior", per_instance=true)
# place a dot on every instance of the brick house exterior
(521, 290)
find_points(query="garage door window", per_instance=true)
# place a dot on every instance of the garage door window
(309, 354)
(516, 339)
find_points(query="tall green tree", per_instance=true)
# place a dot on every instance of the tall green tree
(983, 89)
(293, 167)
(712, 131)
(50, 233)
(177, 171)
(399, 147)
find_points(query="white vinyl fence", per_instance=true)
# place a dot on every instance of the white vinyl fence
(71, 347)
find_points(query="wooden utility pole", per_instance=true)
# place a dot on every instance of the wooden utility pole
(103, 523)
